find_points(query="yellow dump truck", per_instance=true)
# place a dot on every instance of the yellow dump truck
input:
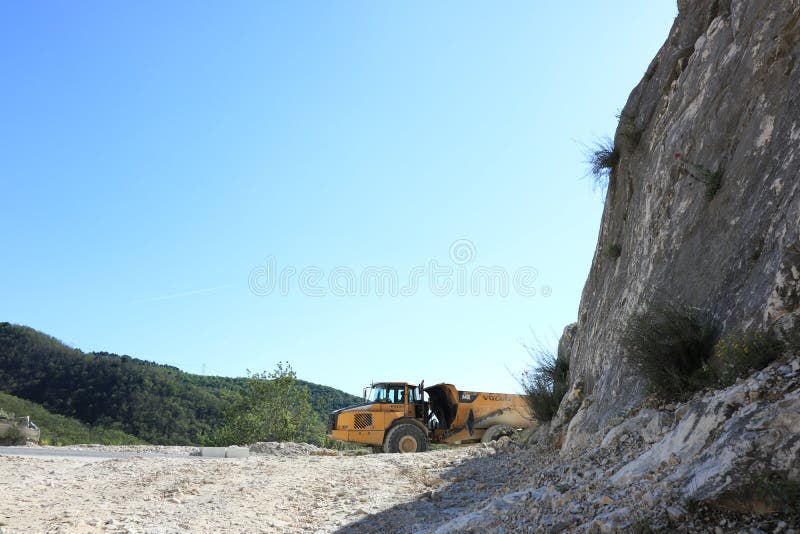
(403, 417)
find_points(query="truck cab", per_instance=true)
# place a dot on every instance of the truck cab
(387, 406)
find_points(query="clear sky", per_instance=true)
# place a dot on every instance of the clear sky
(162, 163)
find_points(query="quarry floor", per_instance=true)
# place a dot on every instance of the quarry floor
(285, 491)
(288, 488)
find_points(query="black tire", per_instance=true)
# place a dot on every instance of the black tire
(405, 438)
(496, 432)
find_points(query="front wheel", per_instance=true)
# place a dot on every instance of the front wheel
(406, 438)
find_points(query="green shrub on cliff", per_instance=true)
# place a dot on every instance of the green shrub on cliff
(740, 352)
(614, 251)
(670, 345)
(793, 340)
(545, 383)
(764, 492)
(712, 180)
(602, 160)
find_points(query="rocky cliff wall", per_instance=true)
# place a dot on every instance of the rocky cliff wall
(720, 102)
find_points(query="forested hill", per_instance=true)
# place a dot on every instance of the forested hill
(156, 403)
(61, 430)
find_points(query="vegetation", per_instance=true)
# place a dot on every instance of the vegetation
(602, 160)
(675, 349)
(738, 353)
(670, 345)
(614, 251)
(12, 436)
(60, 430)
(793, 340)
(711, 179)
(156, 403)
(643, 525)
(274, 407)
(546, 382)
(765, 493)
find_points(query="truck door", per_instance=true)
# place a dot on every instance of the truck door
(395, 403)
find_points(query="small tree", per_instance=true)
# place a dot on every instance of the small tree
(275, 407)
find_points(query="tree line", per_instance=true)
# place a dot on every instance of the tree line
(155, 403)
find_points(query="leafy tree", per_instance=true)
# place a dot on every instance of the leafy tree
(274, 407)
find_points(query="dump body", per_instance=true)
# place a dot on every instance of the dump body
(447, 416)
(464, 416)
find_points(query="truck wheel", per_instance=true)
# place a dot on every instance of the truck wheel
(496, 432)
(406, 438)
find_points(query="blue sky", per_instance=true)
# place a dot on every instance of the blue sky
(157, 156)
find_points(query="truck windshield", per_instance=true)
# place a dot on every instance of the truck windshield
(388, 393)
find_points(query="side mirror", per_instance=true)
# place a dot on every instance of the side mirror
(365, 393)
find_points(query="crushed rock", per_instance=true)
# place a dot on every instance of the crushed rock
(280, 448)
(542, 489)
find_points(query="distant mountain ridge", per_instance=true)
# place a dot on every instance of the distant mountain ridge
(156, 403)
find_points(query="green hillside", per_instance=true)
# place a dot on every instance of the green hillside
(59, 430)
(156, 403)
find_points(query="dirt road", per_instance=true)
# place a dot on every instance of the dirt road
(263, 493)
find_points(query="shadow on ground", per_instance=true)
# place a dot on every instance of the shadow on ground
(466, 484)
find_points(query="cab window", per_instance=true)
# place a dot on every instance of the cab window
(392, 394)
(396, 395)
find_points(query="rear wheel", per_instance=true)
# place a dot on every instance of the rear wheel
(496, 432)
(406, 438)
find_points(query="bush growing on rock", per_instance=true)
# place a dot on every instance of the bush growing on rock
(545, 383)
(614, 251)
(670, 345)
(793, 340)
(602, 160)
(711, 179)
(740, 352)
(764, 493)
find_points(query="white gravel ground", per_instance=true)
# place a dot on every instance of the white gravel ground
(273, 492)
